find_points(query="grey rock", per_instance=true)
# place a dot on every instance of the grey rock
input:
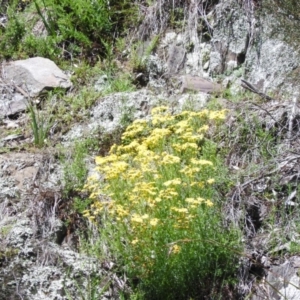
(282, 282)
(206, 66)
(35, 266)
(156, 69)
(230, 37)
(20, 233)
(101, 83)
(46, 281)
(15, 105)
(168, 39)
(176, 58)
(12, 137)
(270, 67)
(192, 101)
(35, 75)
(199, 84)
(252, 43)
(113, 111)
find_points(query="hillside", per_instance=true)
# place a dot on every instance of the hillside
(149, 149)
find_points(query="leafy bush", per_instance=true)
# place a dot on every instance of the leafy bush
(74, 28)
(12, 34)
(156, 206)
(79, 22)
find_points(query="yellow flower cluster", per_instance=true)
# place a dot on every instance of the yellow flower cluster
(158, 180)
(175, 249)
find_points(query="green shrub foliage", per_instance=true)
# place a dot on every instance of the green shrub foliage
(156, 207)
(74, 28)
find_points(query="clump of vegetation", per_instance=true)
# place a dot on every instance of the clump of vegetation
(40, 126)
(73, 30)
(158, 209)
(75, 164)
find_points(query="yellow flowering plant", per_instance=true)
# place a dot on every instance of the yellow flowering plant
(162, 223)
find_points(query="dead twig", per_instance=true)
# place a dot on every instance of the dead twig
(292, 118)
(248, 86)
(268, 173)
(269, 114)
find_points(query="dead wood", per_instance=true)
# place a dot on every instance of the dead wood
(248, 86)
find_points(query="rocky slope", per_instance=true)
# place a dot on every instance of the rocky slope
(218, 44)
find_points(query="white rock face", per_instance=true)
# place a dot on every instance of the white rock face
(109, 113)
(270, 67)
(253, 44)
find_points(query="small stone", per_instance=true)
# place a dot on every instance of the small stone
(206, 66)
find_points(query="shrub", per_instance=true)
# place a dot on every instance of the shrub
(156, 206)
(78, 23)
(13, 32)
(74, 28)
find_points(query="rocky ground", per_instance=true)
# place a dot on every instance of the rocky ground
(41, 242)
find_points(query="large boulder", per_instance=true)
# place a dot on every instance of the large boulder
(35, 75)
(23, 79)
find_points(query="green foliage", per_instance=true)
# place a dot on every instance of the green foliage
(8, 253)
(80, 205)
(295, 248)
(140, 54)
(39, 125)
(116, 81)
(177, 17)
(120, 83)
(250, 139)
(45, 47)
(76, 24)
(13, 32)
(93, 290)
(70, 108)
(84, 74)
(157, 207)
(75, 166)
(5, 230)
(80, 29)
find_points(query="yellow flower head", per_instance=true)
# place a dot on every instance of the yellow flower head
(180, 210)
(158, 110)
(201, 162)
(175, 249)
(169, 159)
(154, 221)
(209, 203)
(135, 241)
(175, 181)
(210, 181)
(136, 218)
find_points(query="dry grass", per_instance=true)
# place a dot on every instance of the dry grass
(261, 142)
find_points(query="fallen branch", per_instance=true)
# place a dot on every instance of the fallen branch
(262, 175)
(248, 86)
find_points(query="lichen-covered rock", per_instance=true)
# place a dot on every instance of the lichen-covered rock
(271, 66)
(282, 282)
(230, 37)
(246, 39)
(114, 111)
(36, 259)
